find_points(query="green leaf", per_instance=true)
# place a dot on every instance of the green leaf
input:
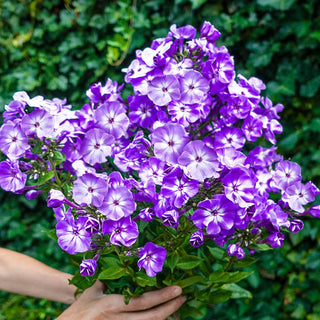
(290, 141)
(82, 282)
(219, 296)
(58, 157)
(217, 253)
(172, 261)
(188, 262)
(144, 280)
(236, 291)
(112, 273)
(45, 176)
(189, 281)
(246, 261)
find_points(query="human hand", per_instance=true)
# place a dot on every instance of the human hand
(94, 305)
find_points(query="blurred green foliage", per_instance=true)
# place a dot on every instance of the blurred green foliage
(58, 48)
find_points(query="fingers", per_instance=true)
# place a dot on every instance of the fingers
(161, 312)
(154, 298)
(95, 291)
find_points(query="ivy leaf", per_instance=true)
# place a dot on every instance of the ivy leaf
(277, 4)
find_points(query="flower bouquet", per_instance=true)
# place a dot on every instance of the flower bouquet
(179, 184)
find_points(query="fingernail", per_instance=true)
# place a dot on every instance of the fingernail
(184, 299)
(177, 291)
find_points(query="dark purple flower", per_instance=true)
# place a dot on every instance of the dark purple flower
(72, 235)
(32, 194)
(197, 239)
(89, 189)
(199, 161)
(314, 211)
(235, 250)
(96, 146)
(142, 111)
(152, 258)
(296, 225)
(209, 32)
(123, 231)
(215, 214)
(146, 214)
(94, 92)
(92, 225)
(88, 267)
(11, 178)
(170, 218)
(179, 188)
(276, 239)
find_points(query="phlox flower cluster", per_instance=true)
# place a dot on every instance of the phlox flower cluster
(182, 145)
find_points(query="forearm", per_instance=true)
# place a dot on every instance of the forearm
(25, 275)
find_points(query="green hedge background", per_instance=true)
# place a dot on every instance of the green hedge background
(59, 48)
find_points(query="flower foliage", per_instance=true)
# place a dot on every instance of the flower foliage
(164, 178)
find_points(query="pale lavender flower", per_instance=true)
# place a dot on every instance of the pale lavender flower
(123, 231)
(117, 203)
(111, 118)
(72, 235)
(11, 178)
(89, 189)
(39, 123)
(183, 113)
(229, 137)
(169, 141)
(96, 146)
(199, 161)
(55, 198)
(285, 174)
(152, 258)
(194, 87)
(164, 89)
(13, 141)
(299, 194)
